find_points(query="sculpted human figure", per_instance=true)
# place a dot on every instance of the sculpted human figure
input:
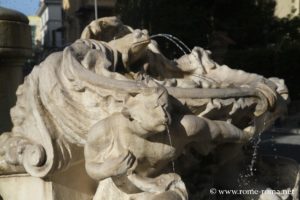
(119, 146)
(134, 143)
(124, 135)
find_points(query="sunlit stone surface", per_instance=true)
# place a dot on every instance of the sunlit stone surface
(140, 125)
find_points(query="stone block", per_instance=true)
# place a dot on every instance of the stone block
(72, 184)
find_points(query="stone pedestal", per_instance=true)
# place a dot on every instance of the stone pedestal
(15, 48)
(23, 187)
(73, 184)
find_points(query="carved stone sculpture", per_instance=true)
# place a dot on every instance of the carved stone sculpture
(115, 101)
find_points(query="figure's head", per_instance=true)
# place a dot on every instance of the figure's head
(150, 109)
(105, 29)
(133, 46)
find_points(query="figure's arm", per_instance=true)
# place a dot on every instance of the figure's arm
(220, 73)
(224, 74)
(110, 167)
(212, 131)
(239, 78)
(102, 159)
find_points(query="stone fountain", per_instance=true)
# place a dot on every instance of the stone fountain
(111, 118)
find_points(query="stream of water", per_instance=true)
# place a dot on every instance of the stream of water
(171, 144)
(255, 154)
(175, 41)
(257, 141)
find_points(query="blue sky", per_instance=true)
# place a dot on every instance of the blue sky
(28, 7)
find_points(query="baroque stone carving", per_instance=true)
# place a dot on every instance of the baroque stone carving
(114, 100)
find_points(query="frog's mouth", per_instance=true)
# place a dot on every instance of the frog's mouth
(139, 46)
(136, 51)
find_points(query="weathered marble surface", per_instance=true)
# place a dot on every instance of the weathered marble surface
(73, 184)
(114, 100)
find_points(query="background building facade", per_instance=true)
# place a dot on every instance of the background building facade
(35, 23)
(50, 13)
(64, 20)
(79, 13)
(287, 8)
